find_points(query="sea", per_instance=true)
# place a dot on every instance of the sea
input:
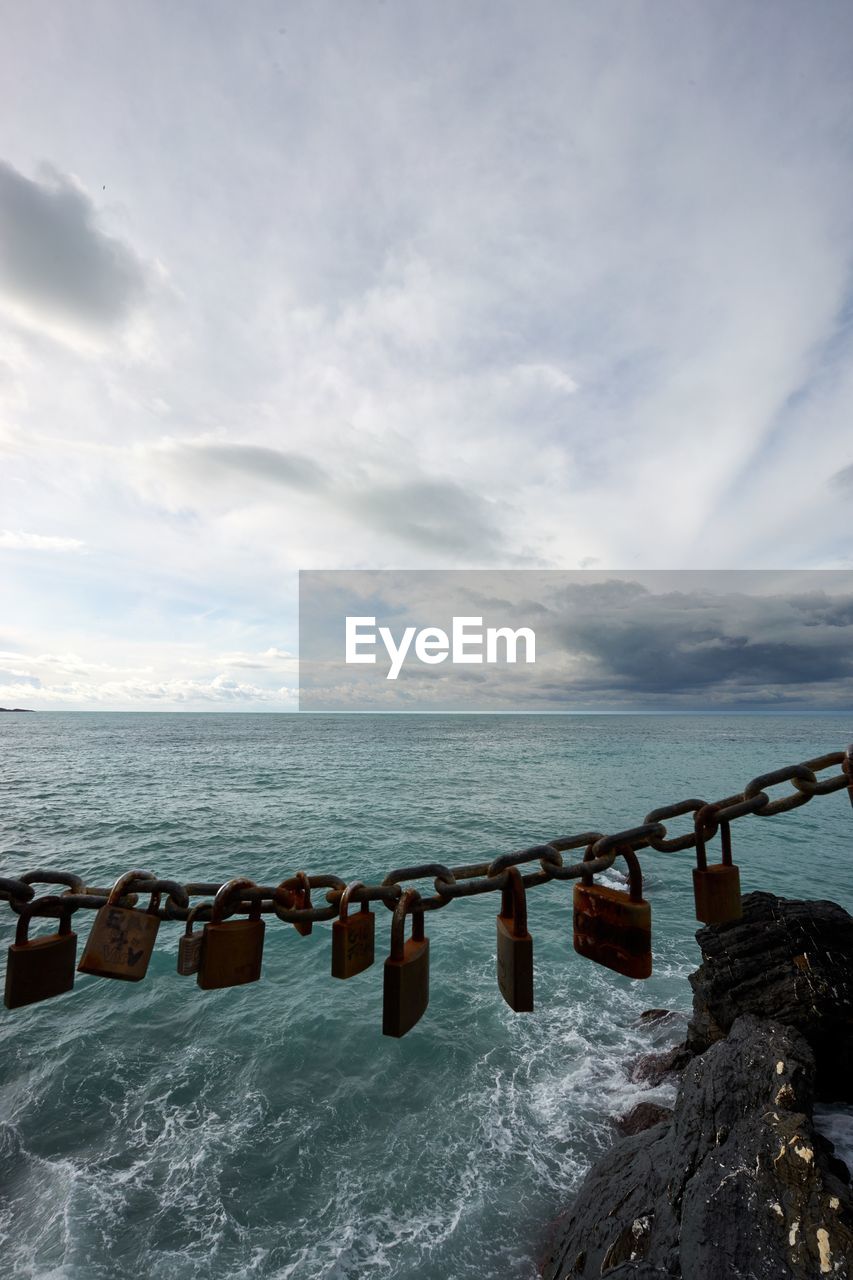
(154, 1129)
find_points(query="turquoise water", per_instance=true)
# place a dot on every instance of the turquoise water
(272, 1131)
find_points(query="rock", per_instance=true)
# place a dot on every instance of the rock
(653, 1069)
(736, 1186)
(655, 1017)
(788, 961)
(642, 1117)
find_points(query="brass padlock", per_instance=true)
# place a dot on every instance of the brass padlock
(40, 968)
(303, 903)
(406, 976)
(515, 946)
(190, 943)
(122, 938)
(232, 950)
(352, 937)
(716, 889)
(611, 927)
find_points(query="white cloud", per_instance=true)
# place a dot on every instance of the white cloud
(70, 681)
(17, 540)
(268, 660)
(158, 694)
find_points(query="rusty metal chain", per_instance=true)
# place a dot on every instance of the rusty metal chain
(286, 899)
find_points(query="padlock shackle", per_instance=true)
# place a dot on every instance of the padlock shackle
(514, 902)
(635, 871)
(122, 886)
(50, 905)
(409, 900)
(226, 892)
(345, 899)
(705, 824)
(194, 913)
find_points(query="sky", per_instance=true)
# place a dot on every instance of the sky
(404, 285)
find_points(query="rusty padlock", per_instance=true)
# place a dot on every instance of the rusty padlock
(122, 938)
(303, 903)
(40, 968)
(405, 993)
(515, 946)
(612, 928)
(231, 950)
(352, 937)
(190, 943)
(716, 889)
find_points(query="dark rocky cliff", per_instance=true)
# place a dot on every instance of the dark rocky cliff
(737, 1183)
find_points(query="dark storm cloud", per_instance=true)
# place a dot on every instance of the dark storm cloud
(54, 258)
(698, 642)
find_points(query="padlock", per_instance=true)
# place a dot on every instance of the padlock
(716, 889)
(303, 903)
(406, 976)
(352, 937)
(232, 950)
(122, 938)
(190, 943)
(40, 968)
(612, 928)
(515, 946)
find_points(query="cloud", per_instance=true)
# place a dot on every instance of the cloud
(55, 262)
(70, 680)
(166, 694)
(435, 514)
(17, 540)
(270, 466)
(266, 661)
(843, 479)
(719, 646)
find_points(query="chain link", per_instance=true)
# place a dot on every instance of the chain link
(467, 880)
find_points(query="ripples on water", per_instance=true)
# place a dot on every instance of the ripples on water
(272, 1130)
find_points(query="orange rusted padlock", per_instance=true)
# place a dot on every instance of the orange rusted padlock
(352, 937)
(515, 946)
(122, 938)
(716, 889)
(406, 975)
(613, 928)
